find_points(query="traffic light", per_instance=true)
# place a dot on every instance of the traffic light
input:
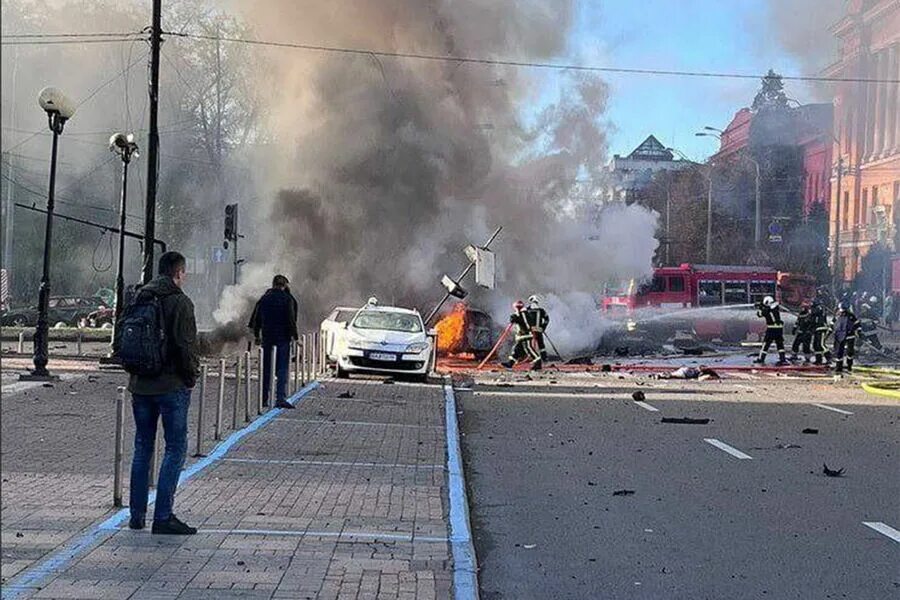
(231, 222)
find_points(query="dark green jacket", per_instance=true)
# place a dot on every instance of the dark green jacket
(182, 361)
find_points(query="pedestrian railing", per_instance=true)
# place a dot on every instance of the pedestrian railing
(233, 378)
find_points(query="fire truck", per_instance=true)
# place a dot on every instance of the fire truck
(708, 286)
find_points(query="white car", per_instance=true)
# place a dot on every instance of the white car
(377, 339)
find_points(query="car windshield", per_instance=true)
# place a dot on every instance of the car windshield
(389, 321)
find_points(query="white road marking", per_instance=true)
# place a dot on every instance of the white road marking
(726, 448)
(545, 395)
(646, 406)
(883, 529)
(327, 422)
(837, 410)
(328, 463)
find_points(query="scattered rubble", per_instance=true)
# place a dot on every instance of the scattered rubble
(684, 420)
(638, 396)
(831, 473)
(810, 430)
(623, 493)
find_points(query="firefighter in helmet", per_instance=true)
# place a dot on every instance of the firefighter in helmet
(868, 325)
(538, 319)
(846, 326)
(819, 324)
(803, 333)
(523, 349)
(769, 310)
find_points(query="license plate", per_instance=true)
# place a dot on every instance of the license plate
(383, 357)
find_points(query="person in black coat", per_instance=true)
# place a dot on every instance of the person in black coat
(770, 311)
(846, 328)
(274, 325)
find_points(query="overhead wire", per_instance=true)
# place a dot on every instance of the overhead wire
(519, 63)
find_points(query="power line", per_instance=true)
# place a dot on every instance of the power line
(66, 41)
(91, 34)
(520, 63)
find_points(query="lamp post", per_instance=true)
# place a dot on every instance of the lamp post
(59, 109)
(125, 146)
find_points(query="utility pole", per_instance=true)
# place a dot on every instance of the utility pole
(838, 263)
(10, 199)
(152, 144)
(709, 216)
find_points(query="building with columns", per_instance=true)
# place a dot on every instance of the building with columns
(866, 155)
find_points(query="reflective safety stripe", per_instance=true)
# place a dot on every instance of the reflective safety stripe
(775, 326)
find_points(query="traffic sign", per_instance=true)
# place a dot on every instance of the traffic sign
(218, 254)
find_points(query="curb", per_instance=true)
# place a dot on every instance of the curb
(465, 563)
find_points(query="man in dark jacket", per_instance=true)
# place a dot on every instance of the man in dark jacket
(768, 309)
(274, 325)
(165, 396)
(803, 333)
(846, 327)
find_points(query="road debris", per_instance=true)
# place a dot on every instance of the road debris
(810, 430)
(623, 493)
(638, 396)
(348, 394)
(684, 420)
(830, 473)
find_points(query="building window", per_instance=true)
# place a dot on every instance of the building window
(845, 217)
(861, 216)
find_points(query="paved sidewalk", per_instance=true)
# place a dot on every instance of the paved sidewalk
(340, 498)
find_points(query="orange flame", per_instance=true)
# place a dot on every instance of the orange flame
(451, 330)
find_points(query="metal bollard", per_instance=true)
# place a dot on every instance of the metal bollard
(315, 354)
(220, 398)
(272, 377)
(259, 384)
(304, 379)
(154, 465)
(119, 453)
(21, 349)
(247, 387)
(198, 450)
(78, 342)
(296, 366)
(237, 394)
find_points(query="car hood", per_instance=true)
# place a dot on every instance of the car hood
(386, 338)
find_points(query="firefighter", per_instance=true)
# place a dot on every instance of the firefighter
(868, 326)
(770, 311)
(538, 319)
(523, 348)
(803, 333)
(846, 326)
(819, 325)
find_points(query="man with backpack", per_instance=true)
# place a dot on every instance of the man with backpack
(274, 325)
(156, 342)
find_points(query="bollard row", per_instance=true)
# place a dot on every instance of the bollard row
(306, 360)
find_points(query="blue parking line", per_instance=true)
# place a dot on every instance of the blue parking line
(32, 579)
(465, 566)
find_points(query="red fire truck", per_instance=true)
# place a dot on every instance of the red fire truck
(700, 286)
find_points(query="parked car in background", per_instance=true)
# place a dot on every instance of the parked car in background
(63, 311)
(378, 339)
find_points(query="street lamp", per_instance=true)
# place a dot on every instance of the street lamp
(125, 146)
(59, 109)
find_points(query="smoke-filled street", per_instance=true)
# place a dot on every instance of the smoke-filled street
(449, 299)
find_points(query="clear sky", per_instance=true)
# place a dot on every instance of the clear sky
(709, 35)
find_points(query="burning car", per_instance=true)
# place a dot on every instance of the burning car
(378, 339)
(465, 330)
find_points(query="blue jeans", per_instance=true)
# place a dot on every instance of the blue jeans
(173, 408)
(282, 366)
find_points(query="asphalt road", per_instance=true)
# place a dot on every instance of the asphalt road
(701, 524)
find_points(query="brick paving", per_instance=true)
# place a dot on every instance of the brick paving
(340, 498)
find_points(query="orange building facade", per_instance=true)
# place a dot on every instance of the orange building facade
(866, 204)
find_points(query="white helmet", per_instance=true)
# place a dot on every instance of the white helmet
(373, 301)
(768, 301)
(873, 299)
(534, 300)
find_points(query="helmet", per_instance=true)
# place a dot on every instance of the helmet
(518, 305)
(873, 299)
(534, 300)
(845, 307)
(768, 301)
(372, 301)
(865, 307)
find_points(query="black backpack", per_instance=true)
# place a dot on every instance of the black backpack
(140, 341)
